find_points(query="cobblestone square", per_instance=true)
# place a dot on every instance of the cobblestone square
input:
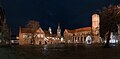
(60, 51)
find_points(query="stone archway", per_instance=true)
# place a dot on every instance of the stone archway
(88, 40)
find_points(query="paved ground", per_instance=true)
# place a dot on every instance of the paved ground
(60, 52)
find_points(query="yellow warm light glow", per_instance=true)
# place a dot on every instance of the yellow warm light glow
(95, 20)
(17, 37)
(38, 35)
(42, 36)
(95, 23)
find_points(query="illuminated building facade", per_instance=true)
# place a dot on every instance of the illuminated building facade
(41, 36)
(25, 36)
(51, 38)
(79, 35)
(95, 28)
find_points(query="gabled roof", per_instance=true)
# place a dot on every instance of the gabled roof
(40, 31)
(79, 30)
(29, 30)
(25, 30)
(47, 33)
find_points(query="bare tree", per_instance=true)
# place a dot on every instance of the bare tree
(33, 25)
(4, 30)
(109, 18)
(4, 34)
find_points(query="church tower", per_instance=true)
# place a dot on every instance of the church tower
(95, 27)
(50, 30)
(58, 31)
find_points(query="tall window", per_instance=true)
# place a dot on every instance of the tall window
(42, 36)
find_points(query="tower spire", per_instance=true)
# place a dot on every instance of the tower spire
(50, 30)
(58, 26)
(58, 31)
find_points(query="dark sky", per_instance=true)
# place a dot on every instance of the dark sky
(70, 14)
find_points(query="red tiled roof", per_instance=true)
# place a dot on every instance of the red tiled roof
(79, 30)
(47, 33)
(40, 31)
(25, 30)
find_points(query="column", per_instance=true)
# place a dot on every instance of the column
(78, 39)
(83, 39)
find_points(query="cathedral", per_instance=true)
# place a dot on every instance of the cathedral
(80, 35)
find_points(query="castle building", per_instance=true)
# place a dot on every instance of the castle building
(79, 35)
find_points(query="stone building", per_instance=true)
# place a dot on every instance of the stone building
(79, 35)
(25, 36)
(51, 38)
(76, 35)
(42, 36)
(95, 28)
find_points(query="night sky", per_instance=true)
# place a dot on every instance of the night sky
(69, 14)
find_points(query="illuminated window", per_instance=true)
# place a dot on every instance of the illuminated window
(42, 36)
(30, 37)
(38, 35)
(62, 39)
(68, 41)
(112, 41)
(25, 36)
